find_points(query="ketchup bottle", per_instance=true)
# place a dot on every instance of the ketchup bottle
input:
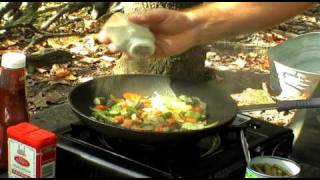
(13, 105)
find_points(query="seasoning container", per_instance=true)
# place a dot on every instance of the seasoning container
(31, 152)
(136, 40)
(272, 167)
(13, 105)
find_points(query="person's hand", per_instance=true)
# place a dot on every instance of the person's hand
(174, 31)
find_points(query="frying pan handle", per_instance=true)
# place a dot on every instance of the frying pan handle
(299, 104)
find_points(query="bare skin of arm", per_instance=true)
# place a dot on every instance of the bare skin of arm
(178, 31)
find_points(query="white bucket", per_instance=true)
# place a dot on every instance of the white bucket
(295, 66)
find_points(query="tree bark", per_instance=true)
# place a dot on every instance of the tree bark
(189, 65)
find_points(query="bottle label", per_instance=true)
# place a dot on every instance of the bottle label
(21, 160)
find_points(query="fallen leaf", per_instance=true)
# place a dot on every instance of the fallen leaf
(106, 64)
(60, 70)
(211, 55)
(89, 60)
(219, 78)
(42, 70)
(222, 68)
(63, 41)
(8, 50)
(108, 58)
(252, 55)
(85, 79)
(265, 65)
(79, 49)
(208, 63)
(59, 81)
(9, 42)
(240, 62)
(88, 23)
(39, 101)
(54, 98)
(70, 77)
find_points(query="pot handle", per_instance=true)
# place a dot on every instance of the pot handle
(299, 104)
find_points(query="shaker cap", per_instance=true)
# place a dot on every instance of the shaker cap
(141, 47)
(13, 60)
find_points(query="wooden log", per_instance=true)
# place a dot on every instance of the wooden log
(47, 57)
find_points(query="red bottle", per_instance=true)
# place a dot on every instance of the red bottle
(13, 105)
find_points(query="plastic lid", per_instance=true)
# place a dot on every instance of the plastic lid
(13, 60)
(141, 47)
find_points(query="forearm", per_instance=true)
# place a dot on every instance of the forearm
(216, 21)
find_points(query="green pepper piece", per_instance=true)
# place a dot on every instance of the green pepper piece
(115, 110)
(131, 110)
(111, 103)
(166, 115)
(192, 114)
(99, 100)
(186, 99)
(195, 100)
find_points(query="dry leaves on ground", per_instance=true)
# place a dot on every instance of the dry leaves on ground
(44, 99)
(261, 96)
(252, 62)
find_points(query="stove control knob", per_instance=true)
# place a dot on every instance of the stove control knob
(254, 125)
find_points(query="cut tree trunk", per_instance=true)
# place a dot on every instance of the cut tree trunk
(189, 65)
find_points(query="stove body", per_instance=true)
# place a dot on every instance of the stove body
(82, 153)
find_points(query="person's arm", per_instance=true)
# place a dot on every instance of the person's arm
(178, 31)
(214, 21)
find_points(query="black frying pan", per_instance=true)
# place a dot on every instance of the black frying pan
(221, 109)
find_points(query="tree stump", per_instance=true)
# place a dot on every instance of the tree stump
(189, 65)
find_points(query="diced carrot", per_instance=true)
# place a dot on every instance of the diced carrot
(123, 105)
(158, 128)
(175, 115)
(146, 102)
(170, 121)
(127, 123)
(119, 119)
(100, 107)
(197, 109)
(191, 120)
(131, 95)
(158, 113)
